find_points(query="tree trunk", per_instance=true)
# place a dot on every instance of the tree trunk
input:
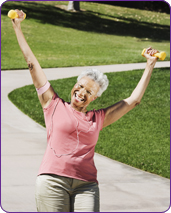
(74, 6)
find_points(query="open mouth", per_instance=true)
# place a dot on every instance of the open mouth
(78, 99)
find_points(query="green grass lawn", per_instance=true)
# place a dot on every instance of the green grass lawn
(101, 34)
(141, 138)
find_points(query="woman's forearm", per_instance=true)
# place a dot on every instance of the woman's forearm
(38, 76)
(139, 91)
(28, 54)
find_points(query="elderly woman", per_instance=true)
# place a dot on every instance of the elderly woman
(67, 176)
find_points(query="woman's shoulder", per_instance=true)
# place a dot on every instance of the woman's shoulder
(55, 100)
(96, 112)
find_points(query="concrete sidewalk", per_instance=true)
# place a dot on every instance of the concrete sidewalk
(23, 142)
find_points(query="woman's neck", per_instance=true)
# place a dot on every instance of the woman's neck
(79, 109)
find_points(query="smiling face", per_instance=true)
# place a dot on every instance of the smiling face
(83, 92)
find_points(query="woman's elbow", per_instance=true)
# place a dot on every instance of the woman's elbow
(137, 103)
(30, 66)
(132, 102)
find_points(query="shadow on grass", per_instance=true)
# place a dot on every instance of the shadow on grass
(90, 21)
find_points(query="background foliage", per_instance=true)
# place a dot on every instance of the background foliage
(100, 34)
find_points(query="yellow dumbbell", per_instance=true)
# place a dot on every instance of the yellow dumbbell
(13, 14)
(161, 55)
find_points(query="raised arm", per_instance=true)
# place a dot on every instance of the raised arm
(37, 74)
(116, 111)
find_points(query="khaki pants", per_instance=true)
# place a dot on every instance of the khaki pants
(61, 194)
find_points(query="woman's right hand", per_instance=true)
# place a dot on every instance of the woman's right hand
(16, 22)
(149, 55)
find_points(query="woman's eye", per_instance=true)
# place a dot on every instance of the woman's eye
(89, 92)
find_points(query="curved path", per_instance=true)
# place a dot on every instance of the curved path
(23, 142)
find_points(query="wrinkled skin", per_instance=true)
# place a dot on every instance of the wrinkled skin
(83, 92)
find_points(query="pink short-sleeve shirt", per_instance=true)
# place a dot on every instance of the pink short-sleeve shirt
(71, 140)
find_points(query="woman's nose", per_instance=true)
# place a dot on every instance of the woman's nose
(82, 92)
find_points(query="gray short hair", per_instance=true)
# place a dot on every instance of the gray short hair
(98, 77)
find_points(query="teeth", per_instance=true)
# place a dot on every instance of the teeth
(78, 98)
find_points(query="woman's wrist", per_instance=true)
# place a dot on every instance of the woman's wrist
(150, 65)
(151, 61)
(16, 26)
